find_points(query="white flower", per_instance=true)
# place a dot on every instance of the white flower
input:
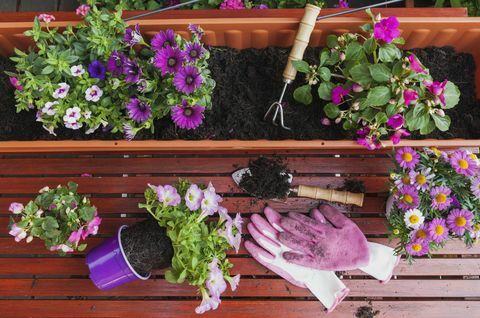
(72, 115)
(77, 70)
(48, 108)
(87, 114)
(61, 91)
(413, 218)
(44, 189)
(29, 239)
(73, 126)
(50, 129)
(16, 208)
(93, 93)
(92, 130)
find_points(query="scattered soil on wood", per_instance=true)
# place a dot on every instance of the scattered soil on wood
(366, 312)
(268, 178)
(353, 185)
(147, 246)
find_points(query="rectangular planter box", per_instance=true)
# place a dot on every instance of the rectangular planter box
(264, 30)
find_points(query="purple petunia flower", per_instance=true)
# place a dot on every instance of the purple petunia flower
(410, 96)
(193, 197)
(460, 220)
(132, 36)
(386, 30)
(475, 187)
(196, 30)
(61, 91)
(187, 79)
(138, 111)
(438, 90)
(338, 93)
(186, 116)
(215, 282)
(408, 197)
(168, 195)
(415, 64)
(16, 83)
(132, 70)
(164, 39)
(342, 4)
(463, 163)
(115, 63)
(441, 199)
(407, 157)
(437, 230)
(194, 51)
(232, 5)
(396, 121)
(97, 70)
(397, 136)
(169, 60)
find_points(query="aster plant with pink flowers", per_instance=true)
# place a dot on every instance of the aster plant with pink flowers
(103, 74)
(60, 217)
(199, 243)
(435, 196)
(373, 87)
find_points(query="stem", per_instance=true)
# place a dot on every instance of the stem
(338, 76)
(375, 60)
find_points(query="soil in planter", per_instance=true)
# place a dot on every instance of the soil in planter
(268, 178)
(366, 312)
(248, 81)
(147, 246)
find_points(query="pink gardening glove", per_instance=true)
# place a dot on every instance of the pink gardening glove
(335, 245)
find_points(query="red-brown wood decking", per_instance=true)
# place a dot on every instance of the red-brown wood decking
(38, 283)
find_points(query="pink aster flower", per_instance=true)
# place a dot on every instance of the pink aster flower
(396, 121)
(232, 5)
(18, 233)
(386, 30)
(441, 199)
(407, 157)
(463, 163)
(408, 198)
(475, 187)
(420, 234)
(168, 195)
(342, 4)
(410, 96)
(15, 208)
(16, 83)
(82, 10)
(47, 18)
(421, 179)
(417, 248)
(193, 197)
(215, 282)
(415, 64)
(438, 90)
(460, 220)
(338, 93)
(397, 136)
(437, 230)
(186, 116)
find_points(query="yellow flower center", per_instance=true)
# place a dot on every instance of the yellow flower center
(406, 180)
(414, 219)
(441, 198)
(473, 156)
(417, 247)
(476, 227)
(439, 230)
(407, 157)
(396, 231)
(407, 198)
(436, 151)
(463, 163)
(421, 179)
(460, 221)
(421, 234)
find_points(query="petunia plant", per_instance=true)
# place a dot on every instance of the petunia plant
(374, 87)
(102, 73)
(199, 244)
(435, 196)
(60, 217)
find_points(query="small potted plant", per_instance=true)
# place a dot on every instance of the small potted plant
(60, 217)
(435, 196)
(181, 237)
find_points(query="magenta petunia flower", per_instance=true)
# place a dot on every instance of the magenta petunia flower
(417, 248)
(407, 157)
(475, 187)
(47, 18)
(169, 60)
(164, 39)
(437, 89)
(437, 230)
(460, 220)
(364, 139)
(139, 111)
(82, 10)
(338, 93)
(194, 51)
(410, 96)
(415, 64)
(232, 5)
(132, 36)
(463, 163)
(115, 63)
(342, 4)
(397, 136)
(408, 198)
(16, 83)
(396, 121)
(187, 79)
(186, 116)
(441, 199)
(132, 70)
(386, 30)
(196, 30)
(97, 70)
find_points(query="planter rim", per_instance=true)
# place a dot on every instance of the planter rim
(119, 237)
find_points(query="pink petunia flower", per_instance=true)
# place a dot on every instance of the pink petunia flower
(460, 220)
(232, 5)
(63, 247)
(396, 121)
(437, 230)
(415, 64)
(417, 248)
(386, 30)
(438, 90)
(397, 136)
(407, 157)
(338, 93)
(18, 233)
(441, 199)
(410, 96)
(16, 83)
(82, 10)
(92, 226)
(47, 18)
(76, 236)
(16, 208)
(463, 163)
(208, 303)
(233, 281)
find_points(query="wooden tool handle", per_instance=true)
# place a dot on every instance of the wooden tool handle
(307, 24)
(344, 197)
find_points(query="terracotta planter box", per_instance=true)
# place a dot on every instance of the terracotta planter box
(275, 28)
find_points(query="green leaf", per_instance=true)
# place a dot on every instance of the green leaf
(303, 94)
(332, 41)
(399, 41)
(49, 223)
(81, 247)
(391, 110)
(354, 51)
(325, 90)
(428, 128)
(418, 117)
(452, 95)
(86, 213)
(331, 110)
(380, 72)
(367, 28)
(397, 69)
(324, 57)
(72, 186)
(389, 53)
(325, 73)
(442, 123)
(370, 45)
(48, 69)
(301, 66)
(170, 277)
(378, 96)
(381, 118)
(181, 277)
(361, 74)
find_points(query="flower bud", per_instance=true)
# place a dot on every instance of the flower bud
(398, 90)
(341, 38)
(338, 120)
(440, 112)
(325, 121)
(406, 81)
(356, 105)
(333, 50)
(429, 103)
(342, 56)
(357, 88)
(392, 101)
(396, 231)
(29, 239)
(44, 189)
(392, 79)
(404, 66)
(378, 17)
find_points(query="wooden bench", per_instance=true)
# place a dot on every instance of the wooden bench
(37, 283)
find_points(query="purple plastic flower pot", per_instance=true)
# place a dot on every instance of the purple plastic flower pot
(109, 266)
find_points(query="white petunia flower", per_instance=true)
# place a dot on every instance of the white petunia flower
(49, 109)
(77, 70)
(93, 93)
(61, 91)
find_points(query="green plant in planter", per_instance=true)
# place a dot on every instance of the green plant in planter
(102, 74)
(374, 87)
(60, 217)
(473, 6)
(199, 245)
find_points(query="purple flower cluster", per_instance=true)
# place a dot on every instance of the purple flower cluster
(364, 138)
(232, 5)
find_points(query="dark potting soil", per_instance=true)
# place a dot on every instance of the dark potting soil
(366, 312)
(353, 185)
(248, 81)
(268, 178)
(147, 246)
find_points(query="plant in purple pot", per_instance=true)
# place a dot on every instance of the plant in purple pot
(60, 217)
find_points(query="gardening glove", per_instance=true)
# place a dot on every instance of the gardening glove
(339, 245)
(325, 285)
(382, 258)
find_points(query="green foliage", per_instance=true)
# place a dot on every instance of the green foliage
(473, 6)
